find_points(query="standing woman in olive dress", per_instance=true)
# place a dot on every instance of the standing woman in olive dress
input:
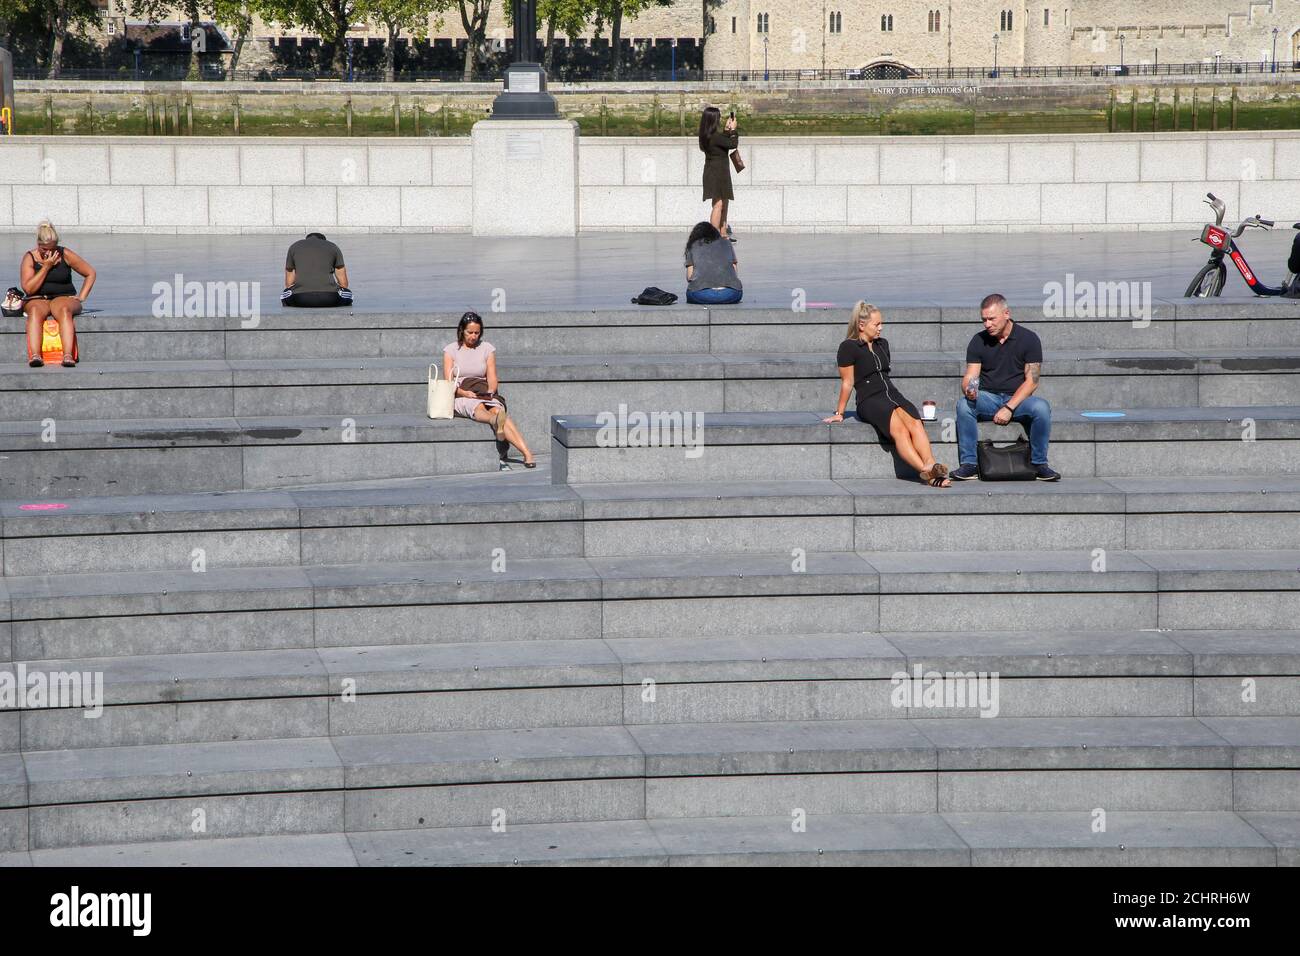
(717, 141)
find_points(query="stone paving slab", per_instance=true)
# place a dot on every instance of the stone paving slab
(645, 577)
(621, 842)
(1048, 653)
(756, 658)
(1210, 838)
(422, 667)
(315, 849)
(483, 756)
(200, 676)
(1073, 743)
(1241, 652)
(168, 770)
(762, 747)
(1260, 742)
(1282, 830)
(1131, 839)
(435, 500)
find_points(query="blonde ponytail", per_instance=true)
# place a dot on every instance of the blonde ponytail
(861, 310)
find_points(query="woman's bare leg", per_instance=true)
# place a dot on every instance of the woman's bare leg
(901, 430)
(902, 436)
(488, 415)
(718, 215)
(38, 310)
(722, 228)
(920, 440)
(516, 438)
(65, 309)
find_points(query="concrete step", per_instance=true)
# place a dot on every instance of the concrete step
(1228, 442)
(527, 518)
(207, 697)
(1188, 838)
(682, 328)
(540, 386)
(135, 457)
(924, 839)
(385, 782)
(160, 612)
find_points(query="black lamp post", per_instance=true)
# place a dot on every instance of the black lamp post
(1275, 49)
(1121, 53)
(995, 54)
(525, 95)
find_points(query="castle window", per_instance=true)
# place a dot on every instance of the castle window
(1005, 22)
(763, 22)
(836, 23)
(932, 21)
(1047, 17)
(887, 23)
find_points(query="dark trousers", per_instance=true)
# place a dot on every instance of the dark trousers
(316, 300)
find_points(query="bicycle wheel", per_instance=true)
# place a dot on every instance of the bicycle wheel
(1208, 282)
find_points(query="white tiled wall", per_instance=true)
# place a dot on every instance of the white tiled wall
(992, 183)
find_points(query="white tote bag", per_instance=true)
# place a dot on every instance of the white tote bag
(442, 395)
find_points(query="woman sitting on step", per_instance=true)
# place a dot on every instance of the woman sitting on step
(472, 364)
(863, 360)
(46, 278)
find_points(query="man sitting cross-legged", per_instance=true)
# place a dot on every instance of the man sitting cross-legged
(1003, 365)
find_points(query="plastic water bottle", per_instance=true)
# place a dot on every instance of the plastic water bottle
(975, 385)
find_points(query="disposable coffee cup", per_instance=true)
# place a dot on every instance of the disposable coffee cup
(927, 411)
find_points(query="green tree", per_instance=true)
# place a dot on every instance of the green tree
(395, 16)
(612, 12)
(236, 17)
(56, 17)
(474, 18)
(328, 19)
(192, 10)
(566, 16)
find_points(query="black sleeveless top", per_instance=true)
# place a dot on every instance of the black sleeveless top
(58, 281)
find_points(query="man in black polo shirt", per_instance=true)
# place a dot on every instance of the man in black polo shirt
(1003, 365)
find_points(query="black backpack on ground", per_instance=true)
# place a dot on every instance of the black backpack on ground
(653, 295)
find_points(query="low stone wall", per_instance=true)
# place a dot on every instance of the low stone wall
(868, 184)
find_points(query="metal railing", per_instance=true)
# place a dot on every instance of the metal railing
(176, 72)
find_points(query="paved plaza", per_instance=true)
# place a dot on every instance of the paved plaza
(411, 273)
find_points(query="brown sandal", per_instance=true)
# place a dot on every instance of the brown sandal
(936, 476)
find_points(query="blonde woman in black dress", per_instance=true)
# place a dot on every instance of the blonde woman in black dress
(863, 360)
(717, 140)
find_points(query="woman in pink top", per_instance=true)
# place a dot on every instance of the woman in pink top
(470, 357)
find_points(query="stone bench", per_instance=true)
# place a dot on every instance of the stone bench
(798, 446)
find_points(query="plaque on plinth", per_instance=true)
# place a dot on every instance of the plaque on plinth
(525, 95)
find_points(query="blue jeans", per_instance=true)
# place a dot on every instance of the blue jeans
(713, 297)
(1034, 413)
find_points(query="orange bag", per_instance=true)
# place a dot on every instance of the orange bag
(52, 343)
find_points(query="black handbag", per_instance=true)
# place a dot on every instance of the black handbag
(1005, 462)
(12, 306)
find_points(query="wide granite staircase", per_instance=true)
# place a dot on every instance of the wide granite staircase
(331, 632)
